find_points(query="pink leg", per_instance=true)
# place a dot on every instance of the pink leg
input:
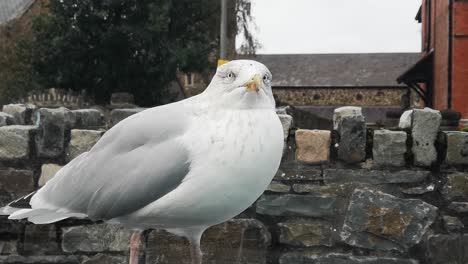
(195, 252)
(135, 244)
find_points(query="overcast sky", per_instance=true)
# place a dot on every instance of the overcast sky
(337, 26)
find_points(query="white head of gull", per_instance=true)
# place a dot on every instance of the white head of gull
(182, 167)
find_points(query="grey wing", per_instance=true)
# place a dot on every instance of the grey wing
(136, 162)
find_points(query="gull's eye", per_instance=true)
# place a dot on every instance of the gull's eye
(229, 77)
(266, 78)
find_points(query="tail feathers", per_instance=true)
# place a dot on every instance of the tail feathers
(43, 216)
(8, 210)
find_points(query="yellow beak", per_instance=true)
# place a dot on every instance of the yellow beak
(253, 85)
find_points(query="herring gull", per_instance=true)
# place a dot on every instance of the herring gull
(182, 167)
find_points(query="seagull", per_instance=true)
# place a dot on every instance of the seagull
(181, 167)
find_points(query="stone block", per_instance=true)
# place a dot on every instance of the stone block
(313, 146)
(380, 221)
(305, 257)
(95, 238)
(345, 111)
(122, 99)
(456, 187)
(373, 176)
(389, 147)
(405, 119)
(235, 241)
(452, 224)
(278, 187)
(22, 113)
(88, 119)
(53, 130)
(6, 119)
(445, 249)
(48, 171)
(352, 133)
(286, 121)
(459, 207)
(15, 142)
(418, 189)
(294, 171)
(424, 129)
(40, 239)
(118, 115)
(457, 148)
(105, 259)
(306, 233)
(297, 205)
(14, 184)
(81, 141)
(40, 259)
(9, 247)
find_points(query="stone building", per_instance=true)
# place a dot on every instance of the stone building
(441, 73)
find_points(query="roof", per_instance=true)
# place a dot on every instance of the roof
(337, 70)
(10, 9)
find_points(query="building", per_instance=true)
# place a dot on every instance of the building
(441, 73)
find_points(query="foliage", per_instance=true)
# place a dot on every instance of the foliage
(121, 45)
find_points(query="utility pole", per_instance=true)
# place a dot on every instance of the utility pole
(223, 34)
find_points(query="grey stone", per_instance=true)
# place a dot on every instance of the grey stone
(294, 171)
(48, 171)
(10, 229)
(345, 111)
(278, 187)
(95, 238)
(424, 129)
(118, 115)
(40, 239)
(105, 259)
(88, 119)
(389, 147)
(81, 140)
(352, 143)
(297, 205)
(9, 247)
(286, 121)
(40, 259)
(53, 128)
(380, 221)
(15, 142)
(457, 148)
(405, 119)
(6, 119)
(14, 184)
(306, 233)
(321, 190)
(447, 249)
(456, 187)
(452, 224)
(122, 99)
(235, 241)
(22, 113)
(373, 176)
(335, 258)
(419, 189)
(459, 207)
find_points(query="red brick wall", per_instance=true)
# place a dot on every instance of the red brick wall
(460, 58)
(441, 52)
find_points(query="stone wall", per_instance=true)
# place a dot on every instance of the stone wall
(349, 195)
